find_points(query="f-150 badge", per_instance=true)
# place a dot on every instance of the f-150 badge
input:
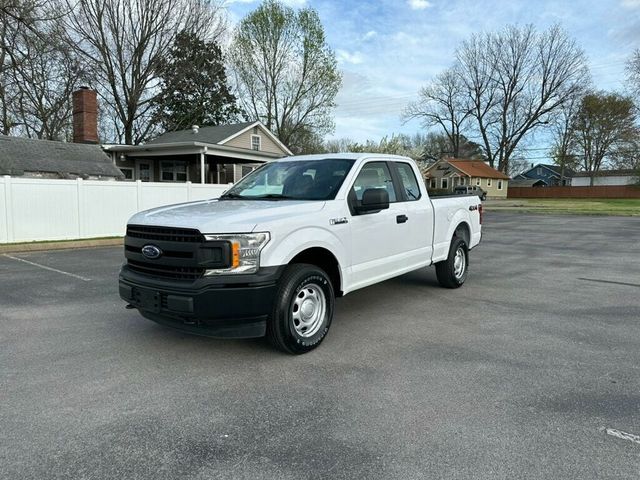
(338, 221)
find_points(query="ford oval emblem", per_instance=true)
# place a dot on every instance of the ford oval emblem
(151, 252)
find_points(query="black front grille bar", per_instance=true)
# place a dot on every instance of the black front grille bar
(165, 234)
(166, 271)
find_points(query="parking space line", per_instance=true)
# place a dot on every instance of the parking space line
(623, 435)
(44, 267)
(610, 281)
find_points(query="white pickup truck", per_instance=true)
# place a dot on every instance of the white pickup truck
(270, 255)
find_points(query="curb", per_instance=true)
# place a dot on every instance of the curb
(65, 245)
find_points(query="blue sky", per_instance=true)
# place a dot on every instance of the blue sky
(388, 49)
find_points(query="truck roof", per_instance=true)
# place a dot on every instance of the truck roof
(348, 156)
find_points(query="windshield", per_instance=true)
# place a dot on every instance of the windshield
(296, 180)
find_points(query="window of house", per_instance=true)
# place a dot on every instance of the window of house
(408, 180)
(444, 182)
(246, 170)
(434, 183)
(488, 182)
(539, 171)
(255, 142)
(499, 184)
(173, 171)
(478, 181)
(144, 170)
(127, 172)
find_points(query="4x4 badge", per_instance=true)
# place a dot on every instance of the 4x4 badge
(338, 221)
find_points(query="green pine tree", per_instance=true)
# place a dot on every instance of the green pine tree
(193, 86)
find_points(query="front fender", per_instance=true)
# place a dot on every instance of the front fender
(281, 250)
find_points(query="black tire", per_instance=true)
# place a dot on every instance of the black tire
(483, 197)
(446, 270)
(283, 330)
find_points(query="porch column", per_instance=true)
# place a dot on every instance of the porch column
(202, 167)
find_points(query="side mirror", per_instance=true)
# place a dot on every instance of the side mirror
(373, 200)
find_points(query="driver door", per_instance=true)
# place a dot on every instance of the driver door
(376, 237)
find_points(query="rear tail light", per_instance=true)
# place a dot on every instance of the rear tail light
(480, 212)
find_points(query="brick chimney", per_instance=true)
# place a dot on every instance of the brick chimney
(85, 116)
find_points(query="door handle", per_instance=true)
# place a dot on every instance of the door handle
(401, 218)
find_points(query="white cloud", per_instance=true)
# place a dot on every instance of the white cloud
(369, 35)
(354, 58)
(422, 4)
(631, 3)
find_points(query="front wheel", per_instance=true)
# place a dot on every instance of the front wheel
(303, 309)
(452, 272)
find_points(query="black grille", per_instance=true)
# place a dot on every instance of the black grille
(165, 234)
(166, 271)
(165, 253)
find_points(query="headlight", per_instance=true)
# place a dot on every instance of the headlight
(245, 251)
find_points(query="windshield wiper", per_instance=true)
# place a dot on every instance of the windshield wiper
(230, 196)
(274, 196)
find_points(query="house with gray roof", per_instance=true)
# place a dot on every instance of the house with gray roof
(215, 154)
(552, 175)
(29, 157)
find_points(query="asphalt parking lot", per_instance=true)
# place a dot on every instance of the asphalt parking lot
(528, 371)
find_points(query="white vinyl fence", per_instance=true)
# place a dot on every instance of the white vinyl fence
(38, 209)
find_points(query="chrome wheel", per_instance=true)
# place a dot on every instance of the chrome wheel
(308, 310)
(459, 263)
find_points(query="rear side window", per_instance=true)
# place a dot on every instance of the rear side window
(408, 181)
(374, 175)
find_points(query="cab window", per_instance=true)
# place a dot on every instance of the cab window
(408, 181)
(374, 175)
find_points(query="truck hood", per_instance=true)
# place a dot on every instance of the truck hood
(226, 216)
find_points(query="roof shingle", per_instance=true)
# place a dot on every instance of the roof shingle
(211, 135)
(18, 155)
(477, 168)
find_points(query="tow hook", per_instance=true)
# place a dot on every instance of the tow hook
(129, 306)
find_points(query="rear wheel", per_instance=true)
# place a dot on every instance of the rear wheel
(452, 272)
(303, 309)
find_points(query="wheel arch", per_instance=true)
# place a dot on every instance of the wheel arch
(463, 231)
(324, 259)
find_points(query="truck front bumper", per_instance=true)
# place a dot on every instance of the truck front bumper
(222, 306)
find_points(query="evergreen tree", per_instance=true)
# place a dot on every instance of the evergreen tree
(193, 88)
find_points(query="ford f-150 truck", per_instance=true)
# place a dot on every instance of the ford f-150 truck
(270, 255)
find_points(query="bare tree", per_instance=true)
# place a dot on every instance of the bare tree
(45, 73)
(604, 125)
(123, 42)
(516, 80)
(286, 74)
(37, 72)
(562, 131)
(633, 73)
(443, 104)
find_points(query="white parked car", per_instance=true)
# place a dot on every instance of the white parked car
(271, 254)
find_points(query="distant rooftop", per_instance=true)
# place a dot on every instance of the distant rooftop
(211, 135)
(623, 172)
(19, 155)
(476, 168)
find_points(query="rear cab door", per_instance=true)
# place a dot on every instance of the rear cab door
(416, 207)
